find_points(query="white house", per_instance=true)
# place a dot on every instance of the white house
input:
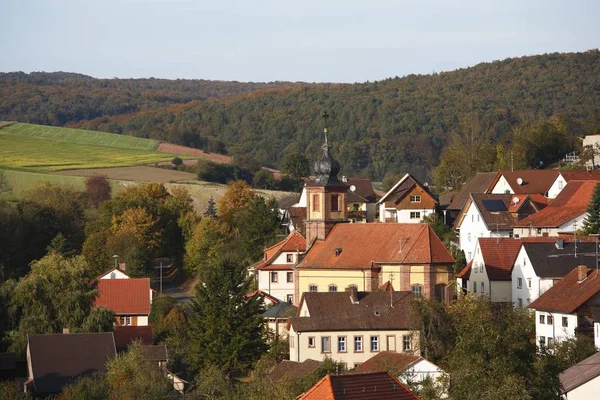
(568, 308)
(582, 380)
(528, 181)
(352, 326)
(565, 177)
(115, 273)
(407, 368)
(539, 264)
(275, 272)
(489, 273)
(563, 216)
(408, 201)
(491, 215)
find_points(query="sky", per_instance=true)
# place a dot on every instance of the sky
(262, 41)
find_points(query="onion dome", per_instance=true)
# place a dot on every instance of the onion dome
(326, 168)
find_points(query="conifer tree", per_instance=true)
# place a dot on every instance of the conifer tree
(211, 209)
(591, 223)
(225, 328)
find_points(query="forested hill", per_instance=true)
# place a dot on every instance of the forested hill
(399, 124)
(57, 98)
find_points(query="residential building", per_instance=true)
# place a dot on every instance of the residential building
(407, 368)
(478, 184)
(563, 216)
(114, 273)
(491, 215)
(582, 380)
(540, 264)
(277, 318)
(275, 272)
(566, 176)
(592, 142)
(55, 361)
(373, 385)
(352, 326)
(569, 307)
(365, 256)
(127, 335)
(361, 200)
(129, 299)
(527, 181)
(408, 201)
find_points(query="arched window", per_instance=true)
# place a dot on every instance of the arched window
(312, 288)
(417, 290)
(333, 288)
(353, 287)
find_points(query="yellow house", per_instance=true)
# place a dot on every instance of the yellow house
(365, 256)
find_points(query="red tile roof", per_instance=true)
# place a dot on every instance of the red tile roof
(292, 243)
(534, 180)
(369, 386)
(389, 361)
(580, 175)
(126, 335)
(568, 294)
(125, 296)
(264, 295)
(499, 255)
(570, 203)
(477, 184)
(361, 245)
(465, 273)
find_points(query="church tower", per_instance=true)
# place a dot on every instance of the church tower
(326, 196)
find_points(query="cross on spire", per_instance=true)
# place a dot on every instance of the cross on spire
(325, 116)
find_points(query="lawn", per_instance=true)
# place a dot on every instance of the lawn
(47, 155)
(79, 136)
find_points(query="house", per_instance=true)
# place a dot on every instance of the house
(127, 335)
(352, 326)
(114, 273)
(277, 319)
(361, 200)
(478, 184)
(367, 255)
(592, 142)
(366, 386)
(540, 264)
(569, 307)
(408, 368)
(489, 273)
(582, 380)
(55, 361)
(408, 201)
(267, 298)
(527, 181)
(563, 216)
(156, 354)
(566, 176)
(275, 272)
(129, 299)
(492, 215)
(284, 205)
(293, 371)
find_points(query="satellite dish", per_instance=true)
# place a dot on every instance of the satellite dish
(520, 181)
(352, 188)
(515, 200)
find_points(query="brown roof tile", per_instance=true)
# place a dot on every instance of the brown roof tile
(580, 373)
(124, 296)
(389, 361)
(57, 360)
(363, 244)
(499, 255)
(126, 335)
(465, 273)
(364, 188)
(568, 294)
(367, 386)
(534, 180)
(292, 370)
(331, 311)
(581, 175)
(477, 184)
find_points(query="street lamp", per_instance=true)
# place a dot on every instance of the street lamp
(116, 262)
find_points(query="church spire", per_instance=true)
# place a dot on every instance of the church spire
(326, 168)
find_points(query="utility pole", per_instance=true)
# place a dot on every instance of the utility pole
(161, 277)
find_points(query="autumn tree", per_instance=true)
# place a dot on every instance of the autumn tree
(98, 189)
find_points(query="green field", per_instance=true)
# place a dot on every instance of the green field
(79, 136)
(48, 156)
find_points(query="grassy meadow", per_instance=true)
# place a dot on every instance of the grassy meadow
(79, 136)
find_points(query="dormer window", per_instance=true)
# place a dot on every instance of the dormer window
(333, 288)
(415, 199)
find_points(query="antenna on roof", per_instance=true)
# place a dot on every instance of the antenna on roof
(392, 280)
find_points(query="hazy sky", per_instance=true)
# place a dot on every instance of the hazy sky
(302, 40)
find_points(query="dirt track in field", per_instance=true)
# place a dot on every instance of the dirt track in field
(189, 151)
(137, 174)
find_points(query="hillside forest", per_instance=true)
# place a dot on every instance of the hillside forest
(519, 106)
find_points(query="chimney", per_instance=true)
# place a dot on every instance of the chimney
(560, 243)
(582, 271)
(353, 292)
(344, 179)
(122, 266)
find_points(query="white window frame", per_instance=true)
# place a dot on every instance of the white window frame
(274, 277)
(415, 215)
(313, 286)
(374, 344)
(519, 283)
(406, 343)
(415, 198)
(342, 344)
(326, 344)
(358, 344)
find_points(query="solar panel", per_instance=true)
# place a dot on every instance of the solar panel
(494, 205)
